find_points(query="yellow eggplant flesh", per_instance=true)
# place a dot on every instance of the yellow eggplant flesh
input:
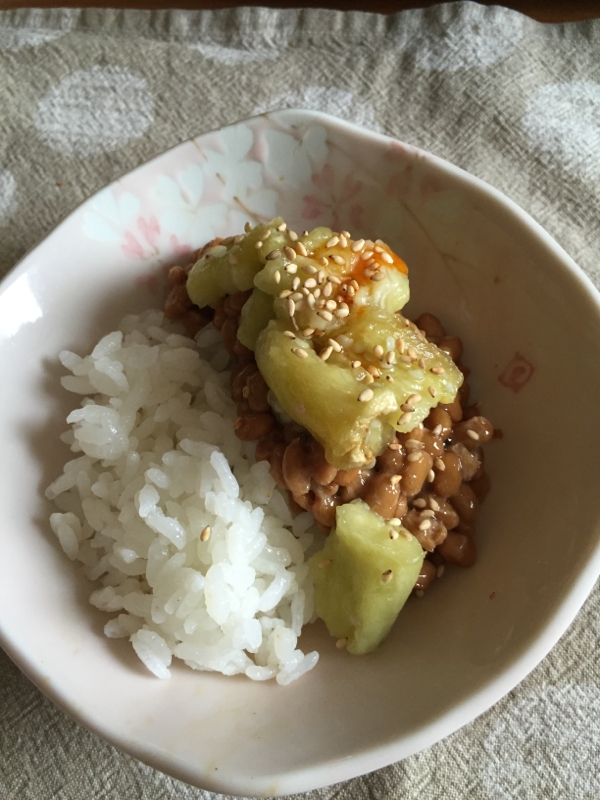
(324, 398)
(363, 576)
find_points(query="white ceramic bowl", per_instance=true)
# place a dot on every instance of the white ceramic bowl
(530, 321)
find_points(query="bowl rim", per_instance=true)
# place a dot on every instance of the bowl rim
(374, 757)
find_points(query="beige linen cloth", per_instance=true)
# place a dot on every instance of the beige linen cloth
(86, 95)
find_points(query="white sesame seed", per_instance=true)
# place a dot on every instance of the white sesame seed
(301, 249)
(473, 435)
(406, 359)
(400, 346)
(387, 576)
(323, 261)
(310, 269)
(290, 307)
(283, 294)
(298, 351)
(437, 430)
(405, 418)
(311, 301)
(440, 464)
(274, 254)
(330, 305)
(289, 334)
(205, 535)
(427, 514)
(336, 345)
(339, 260)
(438, 370)
(425, 525)
(395, 479)
(327, 289)
(366, 395)
(324, 354)
(414, 456)
(259, 244)
(407, 408)
(393, 534)
(390, 359)
(332, 242)
(341, 643)
(343, 241)
(308, 332)
(296, 297)
(431, 476)
(366, 254)
(386, 257)
(310, 283)
(289, 252)
(342, 312)
(293, 236)
(378, 276)
(414, 444)
(358, 245)
(378, 351)
(277, 276)
(355, 364)
(432, 391)
(326, 315)
(419, 502)
(296, 284)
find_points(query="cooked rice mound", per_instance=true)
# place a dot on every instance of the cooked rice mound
(192, 544)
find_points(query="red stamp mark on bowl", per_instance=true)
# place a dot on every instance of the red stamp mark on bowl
(517, 373)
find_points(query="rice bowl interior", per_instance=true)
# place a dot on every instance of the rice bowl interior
(477, 261)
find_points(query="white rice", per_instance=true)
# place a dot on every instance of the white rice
(157, 462)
